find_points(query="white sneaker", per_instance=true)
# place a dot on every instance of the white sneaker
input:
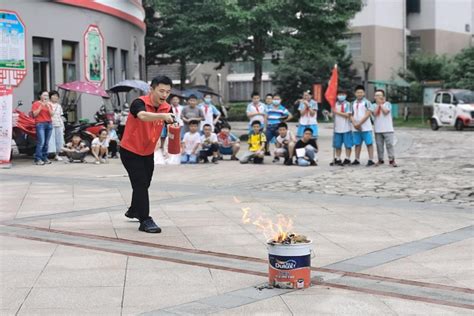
(97, 162)
(102, 160)
(58, 158)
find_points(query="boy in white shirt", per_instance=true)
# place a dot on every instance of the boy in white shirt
(211, 113)
(190, 144)
(284, 145)
(256, 111)
(383, 127)
(342, 112)
(308, 115)
(209, 145)
(362, 109)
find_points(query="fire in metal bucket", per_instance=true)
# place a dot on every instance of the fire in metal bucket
(279, 231)
(289, 259)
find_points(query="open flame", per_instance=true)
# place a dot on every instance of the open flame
(277, 231)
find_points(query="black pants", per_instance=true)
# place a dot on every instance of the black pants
(113, 148)
(208, 152)
(140, 172)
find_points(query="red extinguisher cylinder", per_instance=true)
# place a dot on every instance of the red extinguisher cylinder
(174, 139)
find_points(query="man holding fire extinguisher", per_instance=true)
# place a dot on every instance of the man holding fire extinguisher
(145, 122)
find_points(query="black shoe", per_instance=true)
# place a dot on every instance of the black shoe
(214, 160)
(149, 226)
(346, 162)
(131, 214)
(47, 161)
(276, 159)
(267, 153)
(313, 163)
(288, 162)
(205, 160)
(355, 162)
(233, 158)
(370, 163)
(221, 158)
(257, 160)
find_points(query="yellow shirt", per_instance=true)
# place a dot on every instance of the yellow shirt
(256, 141)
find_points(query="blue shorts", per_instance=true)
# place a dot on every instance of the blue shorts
(359, 137)
(225, 150)
(342, 138)
(301, 128)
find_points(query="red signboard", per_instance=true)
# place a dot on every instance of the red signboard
(318, 92)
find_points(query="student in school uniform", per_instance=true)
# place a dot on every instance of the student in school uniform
(362, 126)
(383, 128)
(342, 113)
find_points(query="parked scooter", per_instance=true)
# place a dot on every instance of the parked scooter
(24, 132)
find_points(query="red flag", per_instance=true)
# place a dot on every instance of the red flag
(331, 91)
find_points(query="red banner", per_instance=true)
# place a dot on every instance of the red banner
(331, 91)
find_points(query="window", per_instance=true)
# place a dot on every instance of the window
(41, 65)
(413, 6)
(111, 66)
(69, 61)
(414, 44)
(438, 98)
(446, 98)
(242, 67)
(124, 62)
(353, 43)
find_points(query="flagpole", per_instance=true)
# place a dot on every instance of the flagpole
(333, 128)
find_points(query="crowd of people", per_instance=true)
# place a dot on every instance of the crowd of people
(49, 122)
(355, 124)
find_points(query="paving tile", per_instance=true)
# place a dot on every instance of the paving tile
(74, 297)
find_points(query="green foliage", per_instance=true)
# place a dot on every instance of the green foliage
(427, 67)
(462, 75)
(226, 30)
(301, 68)
(237, 111)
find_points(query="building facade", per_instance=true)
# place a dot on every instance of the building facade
(101, 41)
(385, 32)
(380, 39)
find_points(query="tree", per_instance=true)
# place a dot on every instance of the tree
(425, 67)
(268, 26)
(226, 30)
(300, 69)
(462, 70)
(182, 31)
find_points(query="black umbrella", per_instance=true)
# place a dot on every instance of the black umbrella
(127, 85)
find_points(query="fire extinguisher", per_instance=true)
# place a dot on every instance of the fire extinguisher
(174, 139)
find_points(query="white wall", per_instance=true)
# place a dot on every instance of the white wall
(386, 13)
(426, 19)
(453, 15)
(447, 15)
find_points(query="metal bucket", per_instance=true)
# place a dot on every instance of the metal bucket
(289, 266)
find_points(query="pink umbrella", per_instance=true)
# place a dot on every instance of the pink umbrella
(84, 87)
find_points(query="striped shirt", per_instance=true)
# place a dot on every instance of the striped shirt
(276, 115)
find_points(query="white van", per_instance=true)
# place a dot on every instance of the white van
(453, 107)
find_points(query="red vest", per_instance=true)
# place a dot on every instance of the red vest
(141, 137)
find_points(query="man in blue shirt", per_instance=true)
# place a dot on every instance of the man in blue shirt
(276, 114)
